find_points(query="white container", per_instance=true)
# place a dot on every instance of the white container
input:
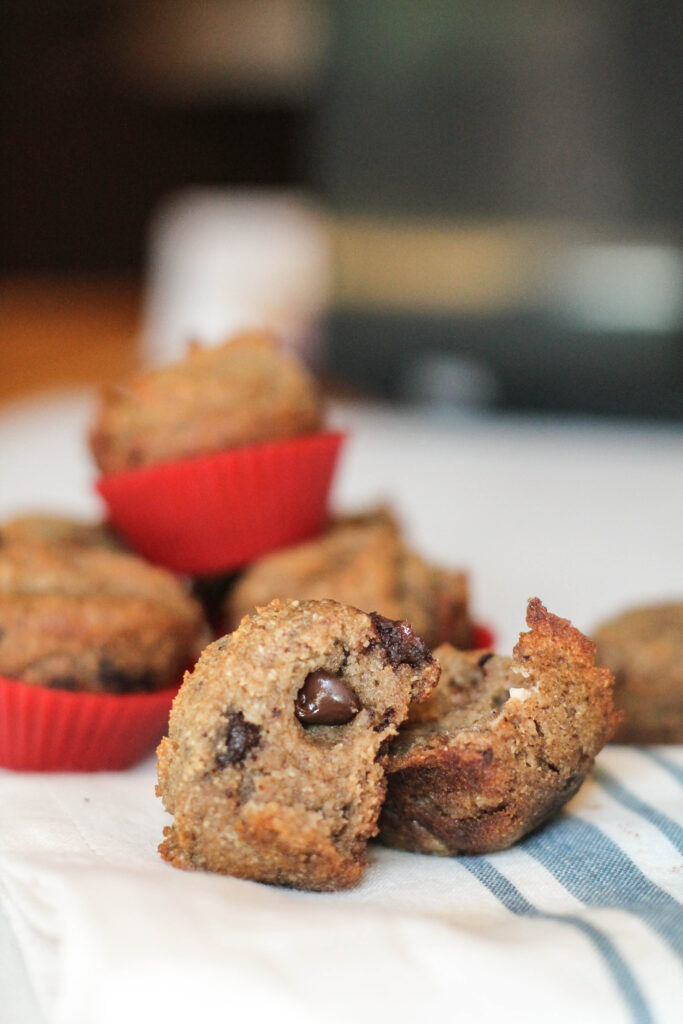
(221, 261)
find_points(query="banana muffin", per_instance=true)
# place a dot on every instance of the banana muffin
(644, 649)
(87, 618)
(54, 529)
(501, 744)
(273, 767)
(361, 561)
(245, 391)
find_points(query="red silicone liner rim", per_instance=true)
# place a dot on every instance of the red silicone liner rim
(51, 730)
(138, 473)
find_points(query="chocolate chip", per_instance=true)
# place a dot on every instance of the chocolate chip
(401, 643)
(487, 756)
(240, 737)
(386, 720)
(484, 658)
(121, 680)
(325, 699)
(383, 749)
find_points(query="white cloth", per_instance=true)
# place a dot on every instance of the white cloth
(578, 923)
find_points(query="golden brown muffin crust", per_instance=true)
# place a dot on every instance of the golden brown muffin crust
(644, 649)
(361, 561)
(245, 391)
(502, 743)
(89, 618)
(55, 529)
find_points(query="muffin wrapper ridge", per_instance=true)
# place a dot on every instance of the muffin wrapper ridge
(45, 730)
(217, 512)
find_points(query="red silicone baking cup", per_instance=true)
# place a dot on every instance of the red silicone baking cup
(45, 730)
(213, 513)
(482, 637)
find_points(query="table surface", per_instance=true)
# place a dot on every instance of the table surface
(60, 332)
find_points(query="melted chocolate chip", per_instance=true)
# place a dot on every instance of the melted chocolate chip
(325, 699)
(240, 737)
(121, 680)
(401, 643)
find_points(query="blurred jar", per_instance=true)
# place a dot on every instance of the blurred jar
(221, 261)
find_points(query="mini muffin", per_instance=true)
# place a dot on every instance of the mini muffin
(501, 744)
(93, 644)
(245, 391)
(53, 529)
(361, 561)
(217, 459)
(273, 765)
(644, 649)
(86, 618)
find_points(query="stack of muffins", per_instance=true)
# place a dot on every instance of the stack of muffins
(215, 465)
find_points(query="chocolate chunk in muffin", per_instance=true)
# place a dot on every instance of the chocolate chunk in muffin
(273, 766)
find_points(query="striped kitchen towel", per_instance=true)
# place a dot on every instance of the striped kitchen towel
(582, 921)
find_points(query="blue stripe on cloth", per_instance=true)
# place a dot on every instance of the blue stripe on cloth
(598, 873)
(669, 766)
(512, 898)
(666, 825)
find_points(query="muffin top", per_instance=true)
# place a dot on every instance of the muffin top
(244, 391)
(362, 561)
(644, 637)
(56, 529)
(644, 649)
(90, 618)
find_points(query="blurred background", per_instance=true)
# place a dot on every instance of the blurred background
(472, 205)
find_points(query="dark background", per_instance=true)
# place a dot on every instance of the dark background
(560, 111)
